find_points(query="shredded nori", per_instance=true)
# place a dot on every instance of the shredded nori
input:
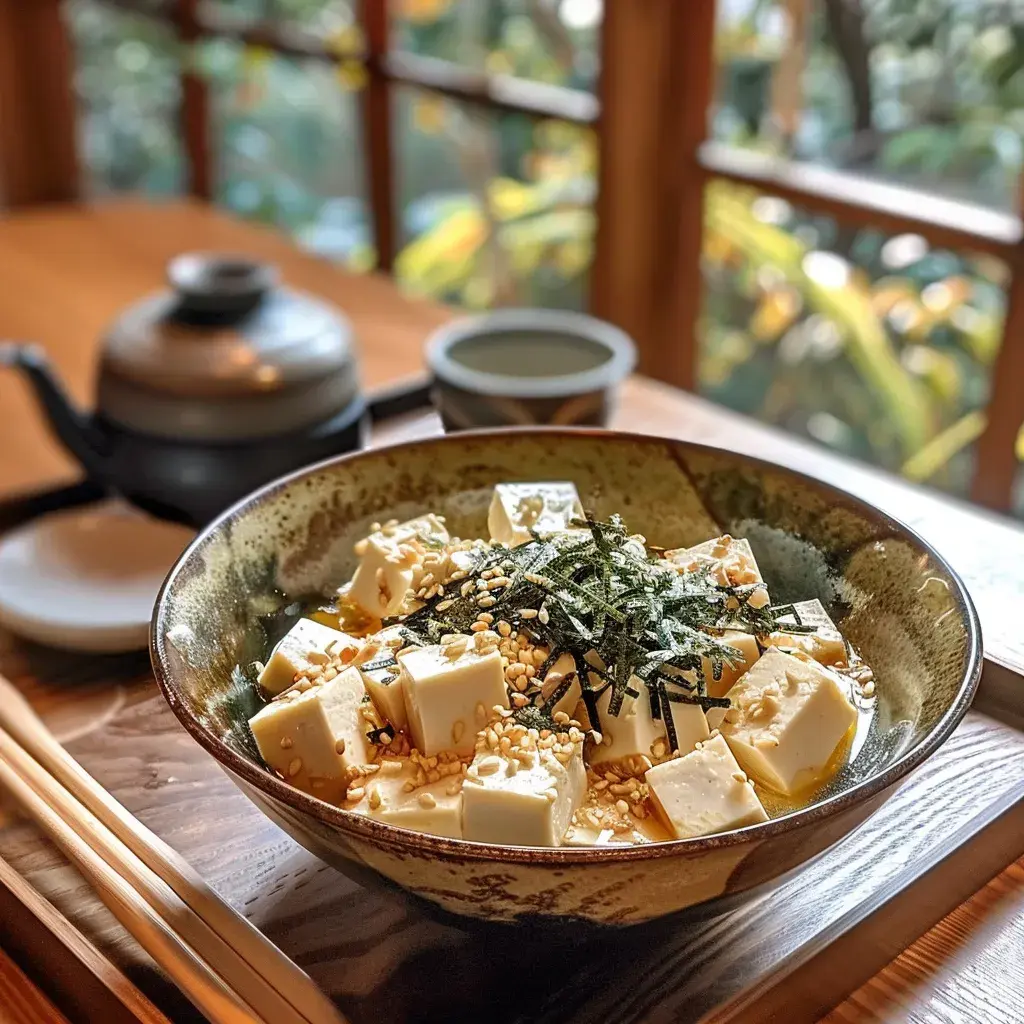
(602, 592)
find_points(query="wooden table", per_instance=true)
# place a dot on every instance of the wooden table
(67, 272)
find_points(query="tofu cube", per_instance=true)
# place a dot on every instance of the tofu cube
(704, 792)
(729, 560)
(507, 802)
(825, 644)
(435, 808)
(381, 582)
(384, 684)
(787, 720)
(634, 731)
(382, 676)
(312, 738)
(544, 507)
(563, 666)
(449, 695)
(306, 644)
(747, 652)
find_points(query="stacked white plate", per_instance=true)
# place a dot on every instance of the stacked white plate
(86, 579)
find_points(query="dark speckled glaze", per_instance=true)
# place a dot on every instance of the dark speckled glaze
(893, 597)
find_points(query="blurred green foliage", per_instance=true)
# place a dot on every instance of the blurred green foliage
(881, 347)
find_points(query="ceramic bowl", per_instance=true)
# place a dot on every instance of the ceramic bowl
(525, 367)
(892, 596)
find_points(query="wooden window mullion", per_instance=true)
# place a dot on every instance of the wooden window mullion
(996, 466)
(377, 132)
(654, 99)
(678, 284)
(195, 105)
(38, 138)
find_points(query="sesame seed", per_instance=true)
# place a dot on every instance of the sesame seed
(286, 742)
(295, 767)
(374, 798)
(339, 747)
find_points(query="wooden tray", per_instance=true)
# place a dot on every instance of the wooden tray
(955, 823)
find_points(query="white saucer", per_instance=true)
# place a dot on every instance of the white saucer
(86, 579)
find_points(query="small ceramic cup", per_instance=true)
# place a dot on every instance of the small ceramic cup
(522, 367)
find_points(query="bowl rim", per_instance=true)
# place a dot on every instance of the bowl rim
(619, 346)
(348, 823)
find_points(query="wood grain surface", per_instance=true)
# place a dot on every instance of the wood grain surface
(969, 967)
(68, 272)
(62, 959)
(20, 1001)
(367, 950)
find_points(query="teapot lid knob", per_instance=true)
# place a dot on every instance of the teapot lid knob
(219, 286)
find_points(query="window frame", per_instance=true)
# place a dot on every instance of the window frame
(655, 160)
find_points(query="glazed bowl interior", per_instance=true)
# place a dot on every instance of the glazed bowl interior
(892, 597)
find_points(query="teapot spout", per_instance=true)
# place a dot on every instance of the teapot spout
(71, 427)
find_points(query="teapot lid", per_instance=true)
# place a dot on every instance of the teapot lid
(226, 355)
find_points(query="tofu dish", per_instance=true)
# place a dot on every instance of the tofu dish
(558, 683)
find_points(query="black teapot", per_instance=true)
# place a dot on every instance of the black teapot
(209, 389)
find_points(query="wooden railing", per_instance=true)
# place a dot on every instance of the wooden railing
(655, 162)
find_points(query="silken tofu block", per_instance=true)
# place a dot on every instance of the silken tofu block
(634, 731)
(444, 696)
(565, 664)
(435, 807)
(704, 792)
(311, 738)
(729, 559)
(382, 579)
(306, 644)
(825, 644)
(516, 509)
(385, 686)
(747, 653)
(382, 675)
(506, 802)
(788, 717)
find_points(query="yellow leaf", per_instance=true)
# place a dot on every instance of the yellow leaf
(256, 59)
(478, 293)
(347, 41)
(351, 76)
(423, 10)
(429, 114)
(510, 198)
(572, 258)
(498, 63)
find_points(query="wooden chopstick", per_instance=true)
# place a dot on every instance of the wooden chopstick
(252, 989)
(66, 952)
(247, 945)
(191, 974)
